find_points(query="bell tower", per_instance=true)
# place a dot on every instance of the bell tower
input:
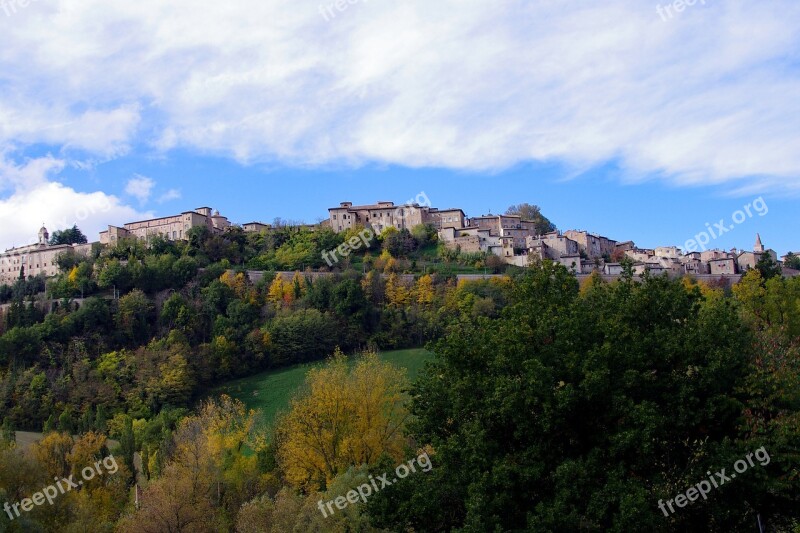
(758, 247)
(43, 236)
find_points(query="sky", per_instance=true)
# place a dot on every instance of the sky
(630, 119)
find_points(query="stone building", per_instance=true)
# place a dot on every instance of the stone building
(722, 266)
(255, 227)
(594, 246)
(173, 227)
(556, 247)
(35, 259)
(506, 226)
(446, 218)
(378, 216)
(748, 260)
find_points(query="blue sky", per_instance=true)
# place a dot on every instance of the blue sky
(610, 117)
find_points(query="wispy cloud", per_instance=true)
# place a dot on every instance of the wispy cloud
(710, 97)
(140, 187)
(172, 194)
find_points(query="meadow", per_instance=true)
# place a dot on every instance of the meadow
(272, 391)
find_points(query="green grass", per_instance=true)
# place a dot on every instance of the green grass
(272, 391)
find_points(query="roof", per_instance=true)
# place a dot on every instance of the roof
(373, 207)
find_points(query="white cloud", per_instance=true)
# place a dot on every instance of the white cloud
(140, 187)
(172, 194)
(706, 97)
(54, 204)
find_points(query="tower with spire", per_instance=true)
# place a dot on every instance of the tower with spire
(758, 247)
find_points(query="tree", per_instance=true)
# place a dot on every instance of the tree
(134, 316)
(768, 267)
(212, 472)
(7, 432)
(425, 291)
(791, 261)
(348, 417)
(575, 412)
(534, 214)
(398, 243)
(52, 453)
(72, 235)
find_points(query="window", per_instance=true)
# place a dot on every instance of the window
(174, 235)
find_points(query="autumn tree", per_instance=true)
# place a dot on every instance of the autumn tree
(211, 472)
(424, 290)
(348, 416)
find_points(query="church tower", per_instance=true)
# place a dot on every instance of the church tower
(43, 236)
(758, 247)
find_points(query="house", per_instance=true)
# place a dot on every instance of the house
(594, 246)
(722, 266)
(173, 227)
(378, 216)
(35, 259)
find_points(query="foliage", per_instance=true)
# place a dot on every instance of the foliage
(348, 417)
(71, 235)
(792, 261)
(534, 214)
(579, 411)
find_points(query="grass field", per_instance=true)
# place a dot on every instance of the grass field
(272, 391)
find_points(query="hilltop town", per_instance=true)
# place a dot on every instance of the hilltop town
(511, 238)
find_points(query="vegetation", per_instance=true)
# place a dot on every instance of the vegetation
(548, 406)
(72, 235)
(271, 392)
(533, 213)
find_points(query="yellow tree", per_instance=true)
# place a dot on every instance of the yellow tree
(52, 452)
(593, 281)
(397, 294)
(275, 293)
(213, 467)
(348, 416)
(751, 295)
(425, 291)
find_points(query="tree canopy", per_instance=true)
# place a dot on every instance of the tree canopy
(71, 235)
(534, 214)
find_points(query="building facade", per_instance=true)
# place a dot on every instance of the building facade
(35, 259)
(594, 246)
(174, 228)
(378, 216)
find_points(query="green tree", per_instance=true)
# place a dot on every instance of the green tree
(134, 316)
(72, 235)
(575, 412)
(534, 214)
(768, 267)
(792, 261)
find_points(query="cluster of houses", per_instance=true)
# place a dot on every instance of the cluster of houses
(518, 242)
(515, 240)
